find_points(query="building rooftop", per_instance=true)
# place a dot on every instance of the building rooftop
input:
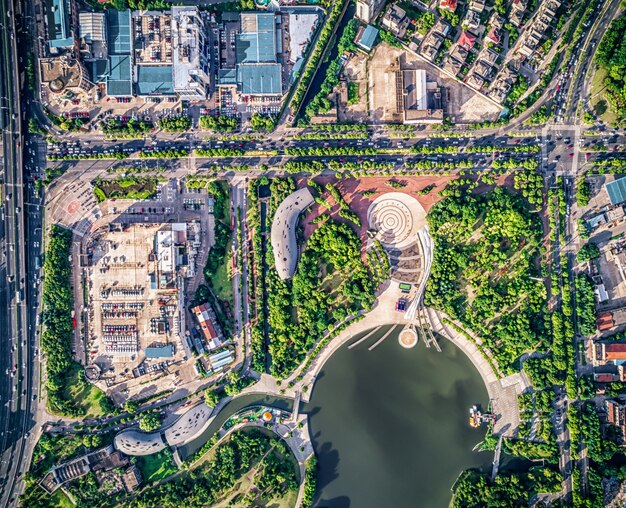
(283, 233)
(189, 58)
(616, 191)
(119, 31)
(466, 40)
(119, 71)
(166, 351)
(92, 26)
(415, 89)
(58, 21)
(119, 75)
(189, 425)
(615, 351)
(154, 80)
(260, 79)
(135, 442)
(257, 40)
(367, 38)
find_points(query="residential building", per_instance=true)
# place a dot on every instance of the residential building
(459, 53)
(475, 81)
(529, 42)
(366, 37)
(207, 321)
(453, 66)
(477, 5)
(396, 21)
(616, 415)
(190, 53)
(608, 353)
(516, 14)
(494, 36)
(441, 27)
(502, 84)
(471, 20)
(466, 41)
(367, 10)
(484, 68)
(448, 5)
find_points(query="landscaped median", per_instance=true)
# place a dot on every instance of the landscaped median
(92, 156)
(128, 187)
(232, 152)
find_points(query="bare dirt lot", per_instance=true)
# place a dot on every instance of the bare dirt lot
(355, 72)
(463, 104)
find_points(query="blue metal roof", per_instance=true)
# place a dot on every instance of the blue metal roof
(368, 38)
(59, 33)
(119, 31)
(260, 79)
(155, 80)
(257, 41)
(617, 191)
(120, 68)
(119, 79)
(166, 351)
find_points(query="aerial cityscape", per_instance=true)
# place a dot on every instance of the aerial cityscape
(313, 253)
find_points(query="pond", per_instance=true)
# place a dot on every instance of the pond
(391, 426)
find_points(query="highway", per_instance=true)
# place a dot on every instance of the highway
(20, 245)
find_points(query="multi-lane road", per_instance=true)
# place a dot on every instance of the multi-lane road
(20, 244)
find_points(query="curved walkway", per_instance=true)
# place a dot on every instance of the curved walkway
(503, 392)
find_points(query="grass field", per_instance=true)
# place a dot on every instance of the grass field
(83, 393)
(222, 285)
(34, 495)
(157, 466)
(597, 100)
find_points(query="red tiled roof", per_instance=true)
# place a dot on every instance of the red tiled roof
(493, 36)
(448, 4)
(615, 351)
(466, 40)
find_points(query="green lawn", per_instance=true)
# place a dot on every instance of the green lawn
(60, 500)
(34, 495)
(82, 392)
(597, 100)
(222, 285)
(157, 466)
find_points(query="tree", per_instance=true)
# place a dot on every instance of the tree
(131, 406)
(260, 122)
(211, 398)
(588, 252)
(150, 422)
(583, 192)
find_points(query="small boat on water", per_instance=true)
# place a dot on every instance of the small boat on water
(477, 417)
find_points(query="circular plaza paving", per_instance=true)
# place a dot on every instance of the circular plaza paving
(397, 217)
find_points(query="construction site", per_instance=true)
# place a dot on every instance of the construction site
(136, 289)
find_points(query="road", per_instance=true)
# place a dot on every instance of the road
(21, 243)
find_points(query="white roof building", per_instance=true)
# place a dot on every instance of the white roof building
(283, 235)
(190, 53)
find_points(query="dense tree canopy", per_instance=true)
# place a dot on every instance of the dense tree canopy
(331, 283)
(484, 258)
(611, 57)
